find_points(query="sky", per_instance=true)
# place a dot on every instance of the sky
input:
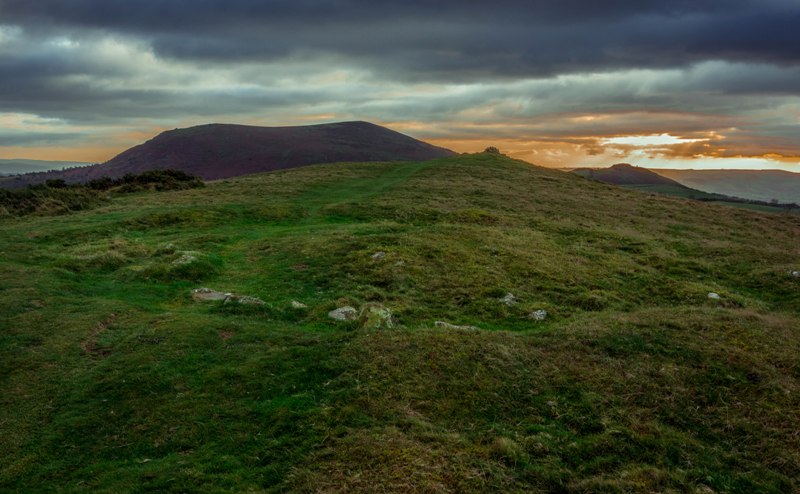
(656, 83)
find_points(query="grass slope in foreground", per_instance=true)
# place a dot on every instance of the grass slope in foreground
(113, 380)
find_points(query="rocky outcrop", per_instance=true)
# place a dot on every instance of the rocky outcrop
(447, 325)
(345, 313)
(375, 316)
(209, 295)
(538, 315)
(509, 299)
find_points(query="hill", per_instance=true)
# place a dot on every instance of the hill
(762, 185)
(634, 177)
(625, 174)
(18, 166)
(633, 379)
(218, 151)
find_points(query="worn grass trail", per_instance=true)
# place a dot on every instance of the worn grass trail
(113, 380)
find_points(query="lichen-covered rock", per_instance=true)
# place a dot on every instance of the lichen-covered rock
(714, 296)
(209, 295)
(245, 300)
(509, 299)
(447, 325)
(378, 255)
(375, 316)
(345, 313)
(538, 315)
(184, 259)
(298, 305)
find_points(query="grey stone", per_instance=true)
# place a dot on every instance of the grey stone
(538, 315)
(298, 305)
(209, 295)
(375, 316)
(509, 299)
(795, 274)
(378, 256)
(714, 296)
(184, 259)
(345, 313)
(245, 300)
(447, 325)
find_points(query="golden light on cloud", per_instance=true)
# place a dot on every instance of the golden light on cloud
(649, 140)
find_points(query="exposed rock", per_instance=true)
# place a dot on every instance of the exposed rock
(184, 259)
(795, 274)
(538, 315)
(345, 313)
(298, 305)
(375, 316)
(447, 325)
(245, 300)
(209, 295)
(714, 296)
(378, 256)
(509, 299)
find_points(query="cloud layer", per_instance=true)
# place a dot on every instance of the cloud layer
(552, 81)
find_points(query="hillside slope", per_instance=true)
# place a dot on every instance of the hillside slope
(112, 379)
(217, 151)
(762, 185)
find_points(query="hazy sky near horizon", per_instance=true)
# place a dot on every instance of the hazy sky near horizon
(693, 84)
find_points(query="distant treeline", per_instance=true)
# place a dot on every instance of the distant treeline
(56, 196)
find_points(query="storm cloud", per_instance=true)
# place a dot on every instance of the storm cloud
(458, 72)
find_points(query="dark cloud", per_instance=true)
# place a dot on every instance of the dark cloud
(441, 39)
(25, 139)
(509, 69)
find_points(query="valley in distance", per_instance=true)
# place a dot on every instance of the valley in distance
(343, 308)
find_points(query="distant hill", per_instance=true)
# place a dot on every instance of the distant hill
(17, 166)
(634, 177)
(625, 174)
(641, 178)
(216, 151)
(763, 185)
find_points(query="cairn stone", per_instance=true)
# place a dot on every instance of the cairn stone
(209, 295)
(538, 315)
(509, 299)
(447, 325)
(375, 316)
(184, 259)
(245, 300)
(345, 313)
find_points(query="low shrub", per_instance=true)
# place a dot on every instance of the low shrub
(56, 196)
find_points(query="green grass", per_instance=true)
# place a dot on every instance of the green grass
(113, 380)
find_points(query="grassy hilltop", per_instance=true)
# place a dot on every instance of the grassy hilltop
(112, 379)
